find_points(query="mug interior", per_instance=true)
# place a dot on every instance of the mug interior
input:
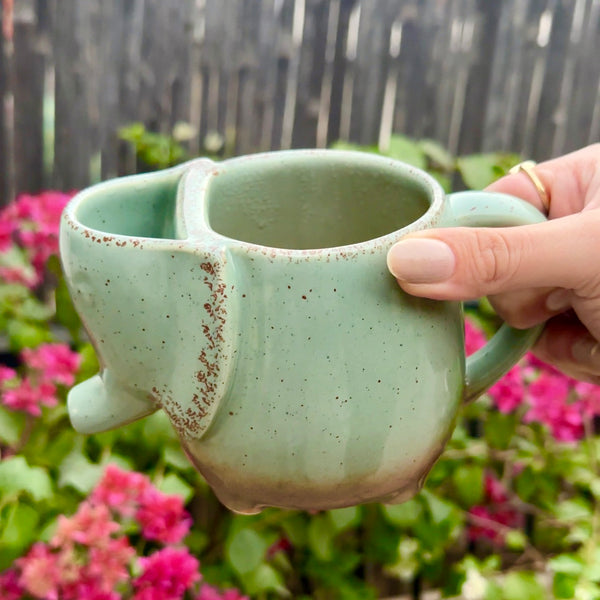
(303, 200)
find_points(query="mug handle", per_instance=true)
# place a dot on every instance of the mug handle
(507, 345)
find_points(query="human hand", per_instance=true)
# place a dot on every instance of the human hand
(532, 273)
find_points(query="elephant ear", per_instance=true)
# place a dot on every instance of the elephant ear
(208, 353)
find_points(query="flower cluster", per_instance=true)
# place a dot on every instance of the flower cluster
(542, 393)
(496, 517)
(91, 555)
(31, 223)
(47, 366)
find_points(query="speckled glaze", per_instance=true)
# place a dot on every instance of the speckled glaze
(250, 300)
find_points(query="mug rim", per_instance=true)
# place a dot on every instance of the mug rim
(181, 174)
(434, 191)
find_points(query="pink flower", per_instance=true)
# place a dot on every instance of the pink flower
(589, 397)
(166, 575)
(493, 520)
(6, 374)
(7, 228)
(55, 362)
(10, 589)
(41, 572)
(91, 525)
(33, 222)
(549, 401)
(108, 564)
(163, 517)
(474, 338)
(508, 392)
(121, 490)
(28, 397)
(208, 592)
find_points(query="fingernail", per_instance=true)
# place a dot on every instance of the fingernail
(587, 352)
(420, 260)
(558, 300)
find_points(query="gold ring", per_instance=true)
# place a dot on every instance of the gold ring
(527, 167)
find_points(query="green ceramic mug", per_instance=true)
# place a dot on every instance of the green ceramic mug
(250, 300)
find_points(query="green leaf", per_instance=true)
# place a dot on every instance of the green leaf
(522, 586)
(17, 477)
(26, 335)
(245, 550)
(79, 472)
(174, 457)
(11, 426)
(157, 430)
(66, 314)
(437, 154)
(295, 527)
(568, 564)
(573, 510)
(525, 483)
(321, 533)
(405, 514)
(479, 170)
(516, 540)
(344, 518)
(499, 429)
(264, 579)
(563, 586)
(407, 150)
(18, 529)
(468, 482)
(89, 362)
(172, 484)
(440, 510)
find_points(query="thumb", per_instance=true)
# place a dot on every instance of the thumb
(464, 263)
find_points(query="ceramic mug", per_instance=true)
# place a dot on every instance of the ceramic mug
(250, 300)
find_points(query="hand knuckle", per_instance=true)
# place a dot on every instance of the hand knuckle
(494, 261)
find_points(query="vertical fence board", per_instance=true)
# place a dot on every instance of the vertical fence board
(548, 115)
(72, 142)
(4, 149)
(520, 76)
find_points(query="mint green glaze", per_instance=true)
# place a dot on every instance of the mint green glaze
(508, 345)
(250, 300)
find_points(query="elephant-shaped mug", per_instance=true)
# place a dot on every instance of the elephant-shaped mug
(250, 300)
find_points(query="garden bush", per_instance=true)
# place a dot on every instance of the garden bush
(510, 512)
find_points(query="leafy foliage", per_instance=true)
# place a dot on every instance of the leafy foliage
(510, 512)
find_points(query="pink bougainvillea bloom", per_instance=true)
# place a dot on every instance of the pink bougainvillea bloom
(55, 362)
(163, 517)
(10, 589)
(121, 490)
(474, 338)
(25, 277)
(41, 572)
(549, 398)
(589, 397)
(28, 397)
(108, 564)
(166, 575)
(495, 492)
(508, 392)
(6, 374)
(91, 525)
(7, 228)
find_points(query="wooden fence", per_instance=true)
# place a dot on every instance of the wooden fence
(476, 75)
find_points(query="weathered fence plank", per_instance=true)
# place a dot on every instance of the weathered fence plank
(252, 75)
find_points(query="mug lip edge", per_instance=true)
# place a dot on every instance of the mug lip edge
(432, 215)
(429, 218)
